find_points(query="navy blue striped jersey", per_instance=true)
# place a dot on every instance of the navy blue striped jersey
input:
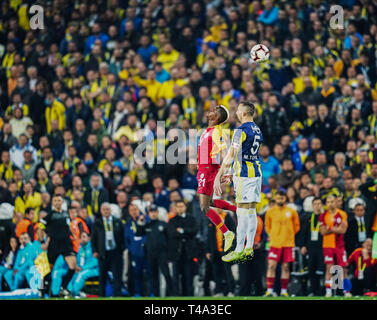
(247, 140)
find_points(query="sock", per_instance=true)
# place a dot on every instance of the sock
(284, 285)
(216, 220)
(242, 222)
(251, 227)
(328, 286)
(222, 204)
(67, 278)
(270, 284)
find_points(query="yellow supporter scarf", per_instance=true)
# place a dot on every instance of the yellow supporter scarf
(326, 93)
(189, 108)
(6, 172)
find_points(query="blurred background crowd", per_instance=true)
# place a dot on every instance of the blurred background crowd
(74, 95)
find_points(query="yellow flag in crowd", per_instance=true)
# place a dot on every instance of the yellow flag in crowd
(42, 265)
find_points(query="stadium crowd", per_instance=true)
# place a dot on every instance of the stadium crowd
(75, 94)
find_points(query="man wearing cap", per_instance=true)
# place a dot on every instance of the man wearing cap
(156, 247)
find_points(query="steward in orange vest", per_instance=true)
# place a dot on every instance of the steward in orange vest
(77, 226)
(26, 224)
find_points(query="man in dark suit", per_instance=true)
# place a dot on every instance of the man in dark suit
(182, 249)
(108, 246)
(309, 239)
(96, 194)
(356, 232)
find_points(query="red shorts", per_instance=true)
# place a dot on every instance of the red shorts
(205, 178)
(283, 255)
(335, 256)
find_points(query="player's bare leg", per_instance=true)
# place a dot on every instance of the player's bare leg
(270, 277)
(284, 279)
(204, 201)
(328, 283)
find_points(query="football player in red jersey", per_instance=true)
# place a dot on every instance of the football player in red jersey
(333, 225)
(211, 144)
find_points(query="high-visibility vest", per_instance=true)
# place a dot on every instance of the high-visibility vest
(75, 230)
(22, 227)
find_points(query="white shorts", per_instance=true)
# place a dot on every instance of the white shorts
(246, 189)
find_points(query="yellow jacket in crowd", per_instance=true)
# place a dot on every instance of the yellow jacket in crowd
(34, 201)
(56, 111)
(152, 86)
(166, 90)
(168, 59)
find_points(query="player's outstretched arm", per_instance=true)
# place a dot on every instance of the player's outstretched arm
(224, 168)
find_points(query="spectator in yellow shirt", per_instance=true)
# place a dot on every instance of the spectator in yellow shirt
(151, 84)
(29, 199)
(168, 57)
(129, 130)
(55, 110)
(167, 89)
(16, 103)
(218, 25)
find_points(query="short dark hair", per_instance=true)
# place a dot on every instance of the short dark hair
(28, 210)
(317, 198)
(250, 107)
(281, 193)
(181, 201)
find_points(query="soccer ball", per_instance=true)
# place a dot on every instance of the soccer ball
(259, 53)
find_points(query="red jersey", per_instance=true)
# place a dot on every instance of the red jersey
(356, 257)
(212, 141)
(333, 240)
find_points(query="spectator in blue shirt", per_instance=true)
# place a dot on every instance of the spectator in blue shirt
(270, 14)
(301, 155)
(96, 34)
(161, 74)
(189, 180)
(269, 165)
(351, 31)
(161, 193)
(146, 49)
(130, 16)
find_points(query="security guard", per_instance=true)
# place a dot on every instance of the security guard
(156, 247)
